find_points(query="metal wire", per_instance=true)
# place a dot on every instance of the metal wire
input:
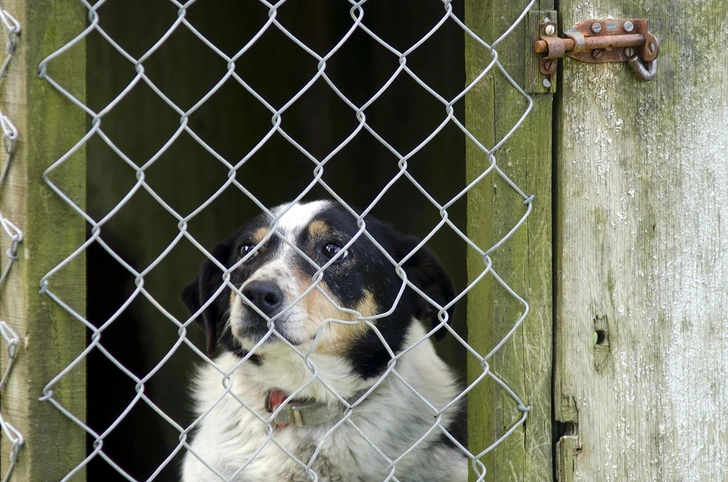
(359, 112)
(10, 135)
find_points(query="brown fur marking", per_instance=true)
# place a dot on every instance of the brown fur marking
(259, 234)
(318, 228)
(336, 337)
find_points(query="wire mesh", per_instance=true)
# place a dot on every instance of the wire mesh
(14, 236)
(319, 165)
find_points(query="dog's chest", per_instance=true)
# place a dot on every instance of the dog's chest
(297, 454)
(235, 440)
(391, 425)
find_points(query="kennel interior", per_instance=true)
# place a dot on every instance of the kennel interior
(360, 101)
(232, 122)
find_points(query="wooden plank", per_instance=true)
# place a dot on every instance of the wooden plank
(641, 260)
(493, 107)
(49, 337)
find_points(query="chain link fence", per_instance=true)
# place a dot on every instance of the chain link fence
(14, 236)
(318, 164)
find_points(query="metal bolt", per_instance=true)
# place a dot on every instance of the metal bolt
(628, 26)
(550, 30)
(547, 83)
(629, 52)
(596, 27)
(596, 53)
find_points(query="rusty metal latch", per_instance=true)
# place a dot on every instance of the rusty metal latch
(597, 41)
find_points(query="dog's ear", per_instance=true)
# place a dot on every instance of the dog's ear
(425, 271)
(204, 286)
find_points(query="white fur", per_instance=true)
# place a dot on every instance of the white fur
(297, 217)
(232, 440)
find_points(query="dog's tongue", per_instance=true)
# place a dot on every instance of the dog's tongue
(276, 398)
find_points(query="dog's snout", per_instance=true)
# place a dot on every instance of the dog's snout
(266, 295)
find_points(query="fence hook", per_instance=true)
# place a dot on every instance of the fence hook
(644, 70)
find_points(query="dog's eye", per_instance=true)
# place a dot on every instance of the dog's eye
(332, 249)
(245, 249)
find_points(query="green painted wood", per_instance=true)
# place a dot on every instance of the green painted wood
(524, 261)
(641, 304)
(49, 337)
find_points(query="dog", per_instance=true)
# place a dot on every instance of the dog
(326, 374)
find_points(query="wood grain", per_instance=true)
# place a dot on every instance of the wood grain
(493, 107)
(642, 269)
(49, 337)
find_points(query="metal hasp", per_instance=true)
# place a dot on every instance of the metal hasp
(597, 41)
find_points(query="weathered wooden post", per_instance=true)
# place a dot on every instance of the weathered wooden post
(641, 252)
(48, 337)
(493, 107)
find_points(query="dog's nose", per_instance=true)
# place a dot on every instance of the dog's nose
(266, 295)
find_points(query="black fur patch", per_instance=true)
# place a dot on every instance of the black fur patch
(458, 428)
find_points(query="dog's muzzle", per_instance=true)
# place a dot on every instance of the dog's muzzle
(265, 295)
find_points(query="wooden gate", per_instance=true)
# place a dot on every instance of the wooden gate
(640, 271)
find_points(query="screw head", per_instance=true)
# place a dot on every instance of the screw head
(596, 53)
(628, 26)
(550, 30)
(546, 83)
(596, 27)
(629, 52)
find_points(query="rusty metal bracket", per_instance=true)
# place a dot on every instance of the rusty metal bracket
(598, 41)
